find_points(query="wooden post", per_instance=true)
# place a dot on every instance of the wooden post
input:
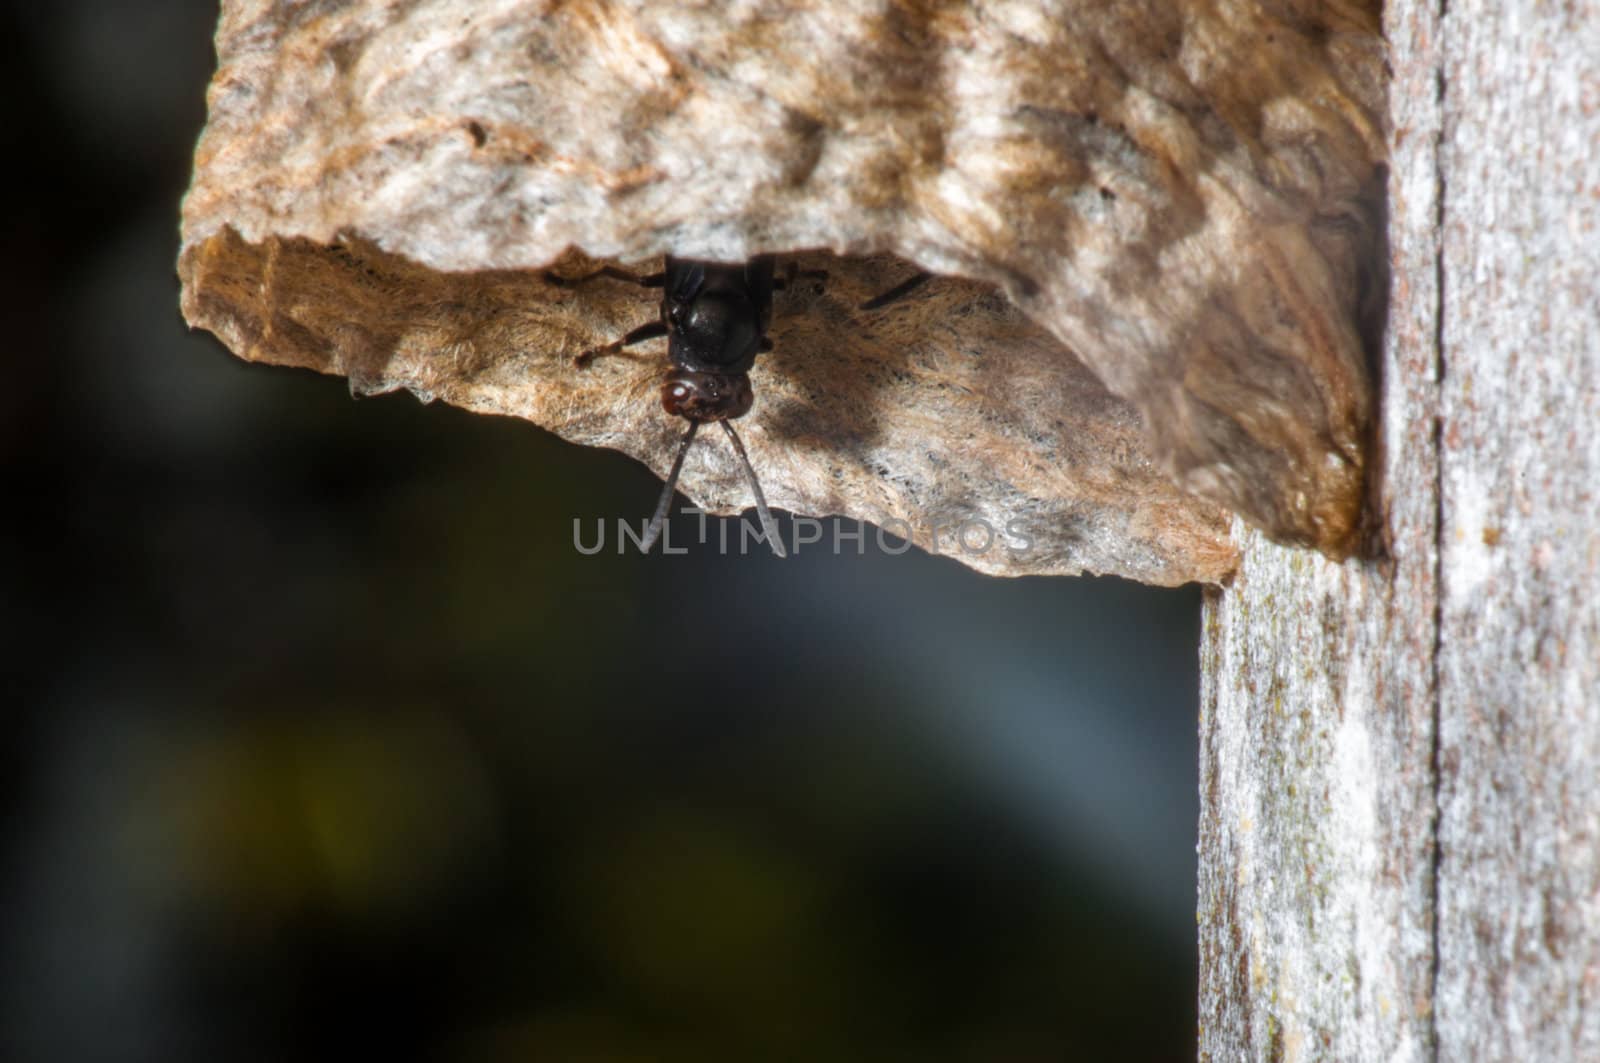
(1400, 760)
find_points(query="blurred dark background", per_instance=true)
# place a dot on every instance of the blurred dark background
(324, 742)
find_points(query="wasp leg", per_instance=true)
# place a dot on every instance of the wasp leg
(648, 331)
(650, 280)
(898, 292)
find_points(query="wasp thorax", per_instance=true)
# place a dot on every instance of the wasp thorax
(706, 396)
(719, 328)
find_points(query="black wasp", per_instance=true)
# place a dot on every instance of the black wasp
(715, 317)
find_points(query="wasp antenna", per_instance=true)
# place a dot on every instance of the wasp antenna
(767, 523)
(665, 504)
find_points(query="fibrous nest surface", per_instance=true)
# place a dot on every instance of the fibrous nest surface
(1152, 225)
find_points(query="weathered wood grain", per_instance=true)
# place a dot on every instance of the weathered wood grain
(1519, 645)
(1400, 835)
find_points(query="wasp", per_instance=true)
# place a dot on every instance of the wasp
(715, 317)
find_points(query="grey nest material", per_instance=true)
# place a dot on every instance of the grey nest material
(1154, 228)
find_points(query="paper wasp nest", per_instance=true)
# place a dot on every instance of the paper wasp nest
(1152, 223)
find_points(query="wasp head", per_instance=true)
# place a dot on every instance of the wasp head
(698, 396)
